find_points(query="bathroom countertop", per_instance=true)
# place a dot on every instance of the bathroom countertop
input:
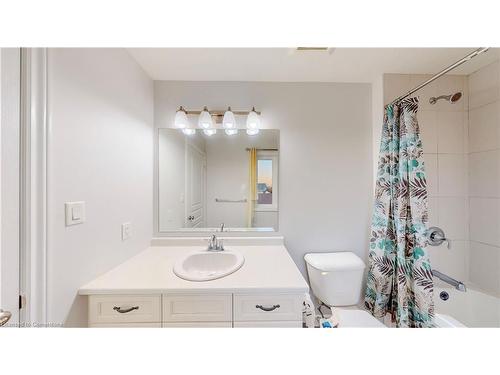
(267, 268)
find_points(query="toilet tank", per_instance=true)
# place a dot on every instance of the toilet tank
(335, 278)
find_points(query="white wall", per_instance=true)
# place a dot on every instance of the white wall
(9, 180)
(325, 153)
(100, 152)
(443, 129)
(484, 177)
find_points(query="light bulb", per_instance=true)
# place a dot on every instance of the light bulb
(231, 131)
(188, 131)
(252, 131)
(205, 120)
(210, 132)
(181, 121)
(253, 120)
(228, 121)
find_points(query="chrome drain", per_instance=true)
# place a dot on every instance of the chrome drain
(444, 296)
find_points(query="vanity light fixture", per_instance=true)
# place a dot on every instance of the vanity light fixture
(205, 119)
(210, 132)
(181, 120)
(210, 120)
(253, 121)
(228, 121)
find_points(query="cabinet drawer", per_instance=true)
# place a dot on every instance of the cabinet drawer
(126, 325)
(197, 308)
(268, 307)
(198, 325)
(124, 309)
(269, 324)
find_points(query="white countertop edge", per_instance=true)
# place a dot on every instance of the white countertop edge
(202, 241)
(201, 290)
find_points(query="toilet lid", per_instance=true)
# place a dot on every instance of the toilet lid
(357, 319)
(339, 261)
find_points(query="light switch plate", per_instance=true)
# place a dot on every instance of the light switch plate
(126, 228)
(75, 212)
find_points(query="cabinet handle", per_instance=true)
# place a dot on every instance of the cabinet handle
(124, 311)
(274, 307)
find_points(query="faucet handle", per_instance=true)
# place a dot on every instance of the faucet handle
(212, 242)
(436, 237)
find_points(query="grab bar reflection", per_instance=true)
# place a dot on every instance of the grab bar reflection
(218, 200)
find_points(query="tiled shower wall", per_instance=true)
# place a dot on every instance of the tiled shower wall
(484, 177)
(444, 134)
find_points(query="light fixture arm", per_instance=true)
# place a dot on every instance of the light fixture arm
(219, 112)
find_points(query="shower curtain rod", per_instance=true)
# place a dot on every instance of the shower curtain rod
(442, 72)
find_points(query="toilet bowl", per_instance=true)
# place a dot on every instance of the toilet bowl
(336, 280)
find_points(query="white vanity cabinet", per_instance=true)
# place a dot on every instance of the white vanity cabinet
(196, 310)
(268, 290)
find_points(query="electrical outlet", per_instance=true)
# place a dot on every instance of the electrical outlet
(126, 228)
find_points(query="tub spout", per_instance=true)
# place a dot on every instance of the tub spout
(461, 286)
(450, 280)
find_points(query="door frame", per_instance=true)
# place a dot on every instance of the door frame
(33, 190)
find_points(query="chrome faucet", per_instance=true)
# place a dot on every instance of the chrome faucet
(215, 244)
(458, 285)
(222, 227)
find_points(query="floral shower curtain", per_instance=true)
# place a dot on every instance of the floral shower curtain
(400, 275)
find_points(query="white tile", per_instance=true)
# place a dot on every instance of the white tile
(485, 266)
(426, 92)
(465, 120)
(395, 85)
(453, 217)
(484, 221)
(484, 174)
(484, 125)
(433, 211)
(428, 131)
(448, 85)
(484, 86)
(431, 173)
(450, 132)
(452, 261)
(451, 174)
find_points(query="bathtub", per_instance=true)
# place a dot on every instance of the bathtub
(473, 308)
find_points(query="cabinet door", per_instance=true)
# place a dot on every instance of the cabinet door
(272, 307)
(124, 309)
(269, 324)
(197, 308)
(198, 325)
(126, 325)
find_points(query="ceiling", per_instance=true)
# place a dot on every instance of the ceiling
(290, 65)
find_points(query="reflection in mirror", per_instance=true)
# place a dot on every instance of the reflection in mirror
(205, 181)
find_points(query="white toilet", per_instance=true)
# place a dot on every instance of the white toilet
(336, 280)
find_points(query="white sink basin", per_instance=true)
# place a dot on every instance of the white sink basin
(208, 265)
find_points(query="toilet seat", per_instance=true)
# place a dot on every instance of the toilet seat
(354, 318)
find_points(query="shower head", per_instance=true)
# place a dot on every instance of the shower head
(452, 98)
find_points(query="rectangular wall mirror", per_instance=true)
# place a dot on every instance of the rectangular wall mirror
(204, 181)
